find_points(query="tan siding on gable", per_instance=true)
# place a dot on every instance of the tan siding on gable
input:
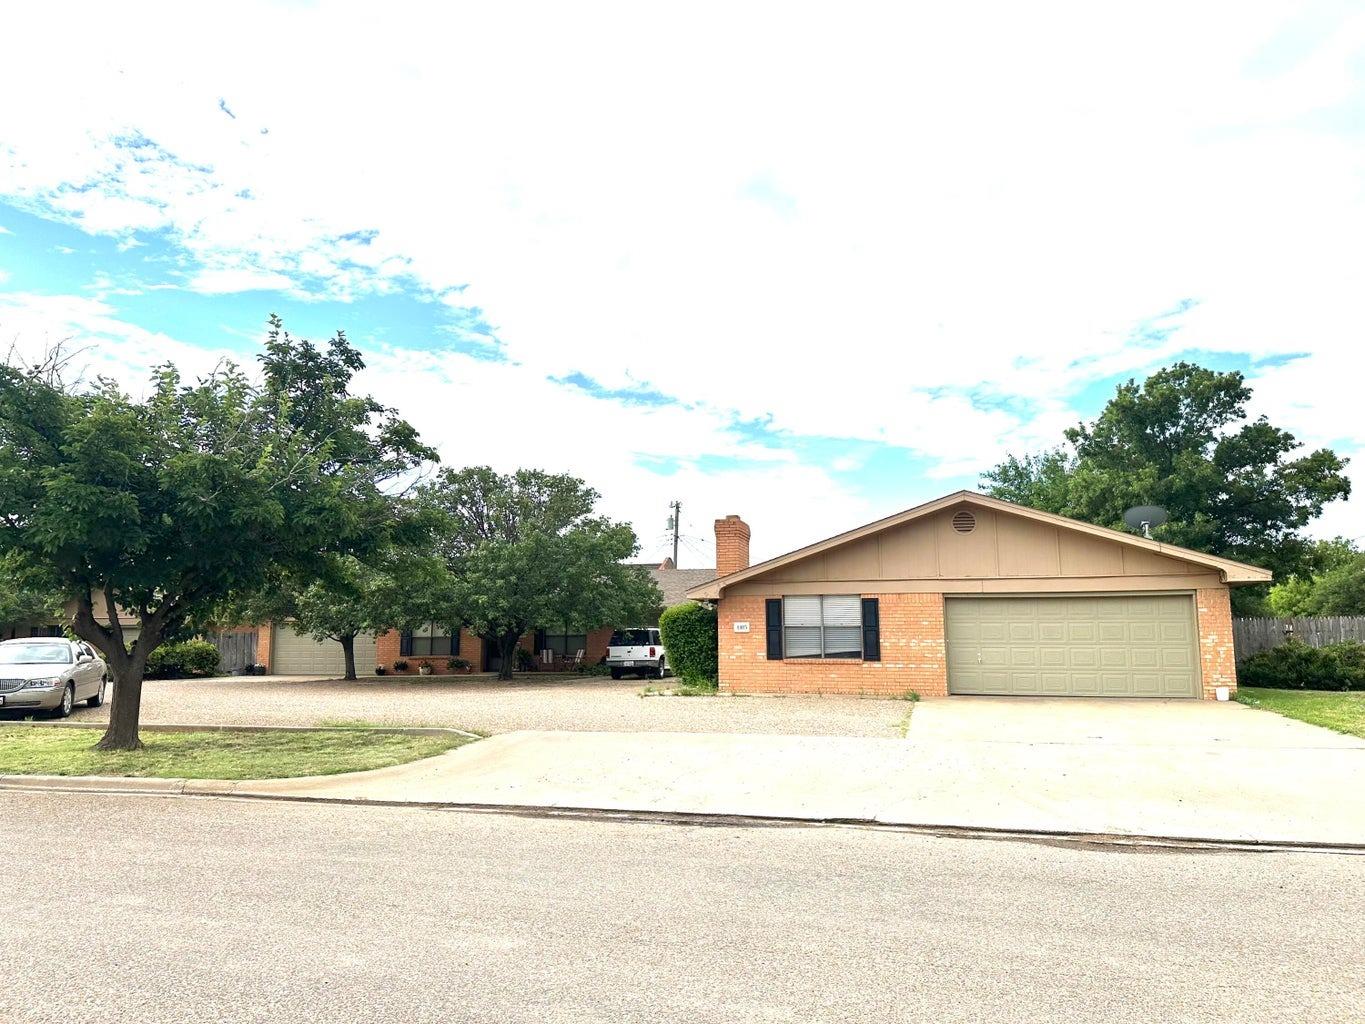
(1137, 562)
(856, 561)
(967, 555)
(1027, 547)
(909, 552)
(1083, 555)
(1004, 553)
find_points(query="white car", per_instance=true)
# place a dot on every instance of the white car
(639, 651)
(50, 674)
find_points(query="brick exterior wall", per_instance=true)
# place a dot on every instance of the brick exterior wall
(388, 645)
(912, 649)
(732, 545)
(913, 655)
(265, 647)
(1217, 661)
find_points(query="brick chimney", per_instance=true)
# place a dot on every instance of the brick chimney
(732, 545)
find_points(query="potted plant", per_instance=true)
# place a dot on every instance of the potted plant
(249, 669)
(526, 661)
(460, 666)
(400, 665)
(379, 670)
(424, 669)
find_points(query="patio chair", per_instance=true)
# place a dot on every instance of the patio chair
(577, 658)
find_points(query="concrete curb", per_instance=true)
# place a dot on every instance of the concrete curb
(239, 789)
(386, 729)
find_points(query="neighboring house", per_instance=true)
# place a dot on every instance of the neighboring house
(974, 595)
(287, 652)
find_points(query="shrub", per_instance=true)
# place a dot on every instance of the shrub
(1295, 666)
(599, 669)
(457, 664)
(689, 635)
(183, 660)
(526, 661)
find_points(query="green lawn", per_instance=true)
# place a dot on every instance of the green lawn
(1344, 712)
(213, 755)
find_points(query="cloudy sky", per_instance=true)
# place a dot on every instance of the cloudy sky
(807, 263)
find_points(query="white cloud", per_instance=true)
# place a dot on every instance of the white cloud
(925, 226)
(98, 342)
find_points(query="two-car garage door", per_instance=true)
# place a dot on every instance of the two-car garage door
(297, 654)
(1129, 646)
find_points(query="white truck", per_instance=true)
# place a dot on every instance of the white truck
(638, 651)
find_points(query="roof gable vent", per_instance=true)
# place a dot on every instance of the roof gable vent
(964, 521)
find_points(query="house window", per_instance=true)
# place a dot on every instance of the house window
(829, 626)
(430, 640)
(564, 641)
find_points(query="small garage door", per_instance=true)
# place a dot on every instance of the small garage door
(1073, 646)
(297, 654)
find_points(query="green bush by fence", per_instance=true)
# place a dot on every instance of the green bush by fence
(1296, 666)
(183, 660)
(689, 635)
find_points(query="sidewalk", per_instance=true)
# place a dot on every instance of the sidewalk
(1307, 795)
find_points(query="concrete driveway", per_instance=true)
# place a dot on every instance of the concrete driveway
(1155, 768)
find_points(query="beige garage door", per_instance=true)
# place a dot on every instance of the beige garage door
(1073, 646)
(297, 654)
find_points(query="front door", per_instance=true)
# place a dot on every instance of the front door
(492, 658)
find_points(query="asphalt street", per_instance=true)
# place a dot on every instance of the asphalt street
(157, 909)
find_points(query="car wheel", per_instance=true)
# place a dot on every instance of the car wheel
(662, 670)
(63, 710)
(98, 699)
(616, 673)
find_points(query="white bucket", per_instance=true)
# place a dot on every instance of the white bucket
(1221, 692)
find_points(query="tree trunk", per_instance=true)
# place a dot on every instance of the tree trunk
(126, 710)
(348, 648)
(507, 645)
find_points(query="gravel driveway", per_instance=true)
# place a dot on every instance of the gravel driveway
(483, 704)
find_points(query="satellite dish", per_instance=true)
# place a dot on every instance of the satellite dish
(1144, 517)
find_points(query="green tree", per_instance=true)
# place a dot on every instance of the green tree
(1327, 587)
(526, 549)
(1340, 591)
(395, 588)
(1237, 488)
(165, 505)
(24, 596)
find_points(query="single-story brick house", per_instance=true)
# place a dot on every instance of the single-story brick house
(973, 595)
(285, 651)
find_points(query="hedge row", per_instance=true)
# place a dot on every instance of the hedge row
(1296, 666)
(183, 660)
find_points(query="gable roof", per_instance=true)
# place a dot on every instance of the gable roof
(1230, 571)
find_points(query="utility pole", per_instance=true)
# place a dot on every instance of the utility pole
(675, 521)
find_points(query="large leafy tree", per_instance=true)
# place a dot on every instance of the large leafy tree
(527, 548)
(164, 506)
(1234, 486)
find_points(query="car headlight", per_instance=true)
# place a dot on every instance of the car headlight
(38, 684)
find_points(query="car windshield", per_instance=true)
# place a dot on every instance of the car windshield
(35, 654)
(629, 637)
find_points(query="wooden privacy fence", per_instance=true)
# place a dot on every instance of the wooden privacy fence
(235, 650)
(1251, 636)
